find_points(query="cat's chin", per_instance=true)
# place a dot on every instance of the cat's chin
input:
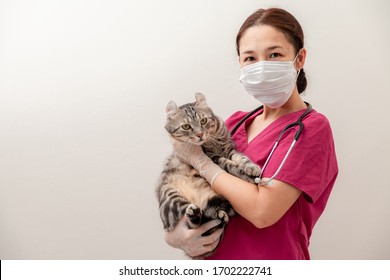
(198, 142)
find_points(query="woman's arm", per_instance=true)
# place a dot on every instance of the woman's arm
(261, 205)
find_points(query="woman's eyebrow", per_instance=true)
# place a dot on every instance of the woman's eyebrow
(273, 48)
(248, 52)
(266, 50)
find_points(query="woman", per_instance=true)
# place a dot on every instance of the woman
(276, 217)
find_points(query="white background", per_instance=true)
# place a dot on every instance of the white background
(83, 90)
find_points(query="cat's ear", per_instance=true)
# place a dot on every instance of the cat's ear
(171, 108)
(200, 99)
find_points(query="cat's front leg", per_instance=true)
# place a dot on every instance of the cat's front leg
(251, 169)
(240, 166)
(194, 215)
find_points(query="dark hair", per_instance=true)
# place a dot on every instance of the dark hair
(285, 23)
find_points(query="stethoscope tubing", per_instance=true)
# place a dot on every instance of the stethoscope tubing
(298, 122)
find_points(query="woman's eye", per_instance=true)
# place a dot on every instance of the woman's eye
(274, 55)
(203, 121)
(249, 59)
(186, 126)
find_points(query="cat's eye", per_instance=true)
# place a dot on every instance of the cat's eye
(186, 126)
(203, 121)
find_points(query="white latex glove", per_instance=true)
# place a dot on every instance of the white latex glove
(194, 156)
(191, 241)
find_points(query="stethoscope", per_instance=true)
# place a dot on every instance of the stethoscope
(298, 122)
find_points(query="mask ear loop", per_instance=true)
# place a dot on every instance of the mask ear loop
(295, 58)
(299, 71)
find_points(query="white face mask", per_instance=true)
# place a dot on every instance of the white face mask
(270, 82)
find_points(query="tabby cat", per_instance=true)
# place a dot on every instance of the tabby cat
(181, 190)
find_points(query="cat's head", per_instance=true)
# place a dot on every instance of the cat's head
(192, 122)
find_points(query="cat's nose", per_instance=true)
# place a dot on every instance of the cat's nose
(200, 134)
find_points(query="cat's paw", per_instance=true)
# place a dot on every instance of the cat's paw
(194, 215)
(252, 170)
(192, 210)
(219, 214)
(223, 216)
(246, 166)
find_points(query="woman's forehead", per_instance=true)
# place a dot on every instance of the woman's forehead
(263, 37)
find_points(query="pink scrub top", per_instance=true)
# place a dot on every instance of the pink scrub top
(311, 167)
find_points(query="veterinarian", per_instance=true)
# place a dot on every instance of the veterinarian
(292, 143)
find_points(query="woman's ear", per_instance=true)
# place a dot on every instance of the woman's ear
(301, 58)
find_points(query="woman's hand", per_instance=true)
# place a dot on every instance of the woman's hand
(194, 156)
(191, 241)
(188, 153)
